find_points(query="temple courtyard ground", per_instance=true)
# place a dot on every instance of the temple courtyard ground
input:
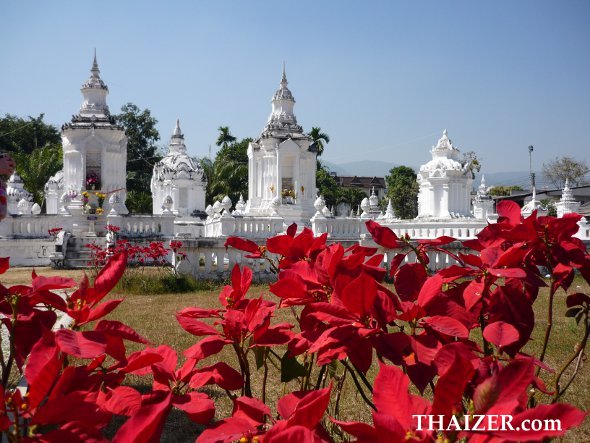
(153, 316)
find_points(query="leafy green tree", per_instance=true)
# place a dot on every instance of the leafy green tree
(142, 155)
(326, 185)
(351, 196)
(36, 167)
(24, 135)
(565, 168)
(318, 139)
(503, 190)
(228, 174)
(224, 138)
(402, 189)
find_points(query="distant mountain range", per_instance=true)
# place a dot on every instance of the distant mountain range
(374, 168)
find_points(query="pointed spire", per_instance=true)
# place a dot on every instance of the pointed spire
(284, 77)
(177, 140)
(95, 71)
(177, 131)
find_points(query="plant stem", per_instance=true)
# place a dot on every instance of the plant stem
(320, 376)
(549, 326)
(265, 376)
(576, 356)
(359, 387)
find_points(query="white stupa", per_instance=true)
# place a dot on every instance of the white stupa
(179, 176)
(567, 204)
(483, 204)
(15, 192)
(445, 184)
(282, 164)
(94, 151)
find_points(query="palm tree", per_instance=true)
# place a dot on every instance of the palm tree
(319, 138)
(224, 137)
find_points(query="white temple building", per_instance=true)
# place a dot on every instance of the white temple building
(94, 154)
(445, 184)
(282, 164)
(179, 177)
(281, 189)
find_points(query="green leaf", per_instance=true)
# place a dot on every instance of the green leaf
(573, 311)
(259, 355)
(291, 368)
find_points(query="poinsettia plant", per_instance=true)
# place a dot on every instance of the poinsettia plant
(446, 344)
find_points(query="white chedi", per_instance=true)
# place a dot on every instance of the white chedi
(445, 183)
(180, 176)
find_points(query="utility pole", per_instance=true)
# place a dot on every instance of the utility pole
(532, 175)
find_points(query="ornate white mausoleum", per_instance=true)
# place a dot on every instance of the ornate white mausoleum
(178, 179)
(90, 192)
(94, 155)
(445, 184)
(282, 164)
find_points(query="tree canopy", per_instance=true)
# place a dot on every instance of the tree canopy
(19, 134)
(142, 155)
(559, 170)
(36, 149)
(318, 139)
(402, 189)
(503, 190)
(225, 137)
(228, 173)
(36, 167)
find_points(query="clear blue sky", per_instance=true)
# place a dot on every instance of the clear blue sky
(383, 79)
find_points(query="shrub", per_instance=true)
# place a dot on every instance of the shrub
(447, 344)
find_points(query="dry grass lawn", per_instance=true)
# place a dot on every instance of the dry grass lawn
(153, 317)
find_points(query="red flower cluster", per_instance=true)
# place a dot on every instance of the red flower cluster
(153, 254)
(457, 333)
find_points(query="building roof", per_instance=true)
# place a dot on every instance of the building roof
(360, 182)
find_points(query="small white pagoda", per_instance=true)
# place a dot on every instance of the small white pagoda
(483, 204)
(18, 197)
(179, 177)
(567, 204)
(445, 184)
(94, 154)
(282, 164)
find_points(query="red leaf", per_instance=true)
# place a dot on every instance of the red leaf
(508, 272)
(121, 400)
(4, 264)
(501, 333)
(383, 236)
(147, 424)
(304, 408)
(440, 241)
(198, 406)
(430, 290)
(42, 368)
(509, 210)
(242, 245)
(101, 310)
(358, 296)
(408, 280)
(205, 348)
(118, 329)
(220, 374)
(41, 283)
(448, 392)
(447, 325)
(88, 344)
(293, 434)
(109, 276)
(195, 327)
